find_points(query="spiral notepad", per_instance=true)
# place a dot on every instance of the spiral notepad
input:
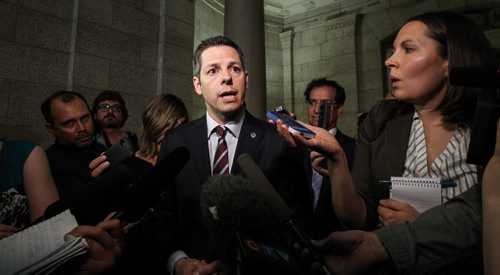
(421, 193)
(40, 248)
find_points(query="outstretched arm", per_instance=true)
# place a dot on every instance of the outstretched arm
(348, 205)
(38, 183)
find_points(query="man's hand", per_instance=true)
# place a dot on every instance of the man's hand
(98, 165)
(352, 252)
(7, 230)
(392, 211)
(190, 266)
(318, 162)
(105, 242)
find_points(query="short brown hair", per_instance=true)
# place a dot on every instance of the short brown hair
(213, 42)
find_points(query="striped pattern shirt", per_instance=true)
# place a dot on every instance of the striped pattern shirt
(449, 165)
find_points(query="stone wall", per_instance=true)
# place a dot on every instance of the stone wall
(144, 48)
(137, 47)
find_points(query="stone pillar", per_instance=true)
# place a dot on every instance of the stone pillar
(286, 38)
(244, 23)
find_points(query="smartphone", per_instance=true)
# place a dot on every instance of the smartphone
(119, 152)
(281, 109)
(324, 115)
(293, 125)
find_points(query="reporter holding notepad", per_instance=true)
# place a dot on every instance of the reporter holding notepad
(423, 132)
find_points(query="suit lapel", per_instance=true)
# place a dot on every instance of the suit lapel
(397, 136)
(248, 141)
(199, 144)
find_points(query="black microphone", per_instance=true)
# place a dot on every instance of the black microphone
(246, 235)
(279, 208)
(121, 189)
(484, 77)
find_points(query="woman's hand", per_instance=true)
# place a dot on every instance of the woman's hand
(322, 142)
(392, 211)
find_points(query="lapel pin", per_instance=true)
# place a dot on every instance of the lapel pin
(253, 134)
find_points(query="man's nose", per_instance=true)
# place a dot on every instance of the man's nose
(317, 107)
(80, 127)
(227, 78)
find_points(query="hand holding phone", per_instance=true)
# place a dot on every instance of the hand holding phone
(293, 125)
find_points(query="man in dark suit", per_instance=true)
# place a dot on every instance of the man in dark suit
(220, 77)
(322, 91)
(68, 119)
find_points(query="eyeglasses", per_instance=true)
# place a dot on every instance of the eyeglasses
(106, 108)
(315, 103)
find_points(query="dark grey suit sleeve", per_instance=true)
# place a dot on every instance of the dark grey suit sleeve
(447, 237)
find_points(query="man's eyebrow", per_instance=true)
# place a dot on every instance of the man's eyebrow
(68, 121)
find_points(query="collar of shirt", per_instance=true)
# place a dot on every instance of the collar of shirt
(234, 129)
(234, 126)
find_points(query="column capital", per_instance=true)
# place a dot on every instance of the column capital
(286, 38)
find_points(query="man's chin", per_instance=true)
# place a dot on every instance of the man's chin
(114, 125)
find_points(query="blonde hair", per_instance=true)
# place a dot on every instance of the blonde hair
(160, 115)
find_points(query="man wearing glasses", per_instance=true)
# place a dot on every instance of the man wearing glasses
(327, 97)
(109, 112)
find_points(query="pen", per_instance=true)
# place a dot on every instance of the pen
(444, 183)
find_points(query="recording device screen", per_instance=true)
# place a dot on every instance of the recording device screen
(293, 125)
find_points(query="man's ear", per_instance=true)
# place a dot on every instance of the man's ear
(197, 84)
(49, 128)
(246, 79)
(446, 72)
(340, 110)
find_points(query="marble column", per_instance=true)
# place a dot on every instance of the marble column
(286, 38)
(244, 23)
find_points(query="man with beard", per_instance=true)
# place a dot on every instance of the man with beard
(68, 119)
(109, 112)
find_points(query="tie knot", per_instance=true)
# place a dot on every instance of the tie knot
(221, 132)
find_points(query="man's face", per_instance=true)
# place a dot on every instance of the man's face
(72, 123)
(109, 114)
(318, 95)
(222, 82)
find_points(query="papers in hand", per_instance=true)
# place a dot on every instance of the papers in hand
(41, 248)
(421, 193)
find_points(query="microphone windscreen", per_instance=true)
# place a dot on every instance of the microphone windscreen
(484, 77)
(278, 206)
(231, 204)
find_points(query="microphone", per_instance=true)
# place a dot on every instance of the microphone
(118, 190)
(483, 77)
(279, 208)
(246, 235)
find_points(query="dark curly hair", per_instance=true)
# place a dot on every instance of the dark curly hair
(110, 95)
(323, 82)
